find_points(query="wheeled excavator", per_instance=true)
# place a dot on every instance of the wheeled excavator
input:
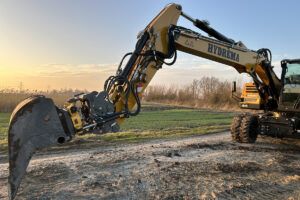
(36, 123)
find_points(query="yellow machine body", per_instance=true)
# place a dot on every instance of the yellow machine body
(74, 115)
(250, 98)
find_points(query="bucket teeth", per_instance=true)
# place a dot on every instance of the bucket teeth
(34, 125)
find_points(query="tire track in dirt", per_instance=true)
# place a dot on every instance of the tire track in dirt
(201, 167)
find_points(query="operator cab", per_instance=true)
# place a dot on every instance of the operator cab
(290, 81)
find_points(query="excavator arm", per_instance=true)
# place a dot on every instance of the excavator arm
(36, 123)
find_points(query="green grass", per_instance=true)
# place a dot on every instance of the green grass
(4, 119)
(174, 118)
(155, 121)
(170, 123)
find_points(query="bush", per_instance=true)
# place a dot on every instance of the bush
(206, 92)
(9, 99)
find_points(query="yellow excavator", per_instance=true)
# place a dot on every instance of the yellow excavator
(36, 123)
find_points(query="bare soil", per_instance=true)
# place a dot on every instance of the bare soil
(201, 167)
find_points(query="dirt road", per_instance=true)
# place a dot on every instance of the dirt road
(202, 167)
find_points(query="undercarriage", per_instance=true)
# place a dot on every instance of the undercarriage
(246, 127)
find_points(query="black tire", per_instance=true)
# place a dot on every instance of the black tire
(235, 127)
(249, 129)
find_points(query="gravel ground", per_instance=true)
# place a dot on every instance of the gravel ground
(203, 167)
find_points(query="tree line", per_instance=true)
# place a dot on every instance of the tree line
(209, 92)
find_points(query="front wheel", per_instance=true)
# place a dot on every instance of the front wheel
(236, 127)
(249, 129)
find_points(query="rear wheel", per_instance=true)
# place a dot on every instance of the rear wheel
(249, 129)
(235, 127)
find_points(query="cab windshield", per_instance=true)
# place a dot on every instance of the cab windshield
(291, 89)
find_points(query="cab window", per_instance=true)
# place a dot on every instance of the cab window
(291, 89)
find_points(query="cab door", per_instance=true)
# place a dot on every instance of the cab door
(290, 92)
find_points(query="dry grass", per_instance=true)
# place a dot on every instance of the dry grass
(10, 98)
(208, 92)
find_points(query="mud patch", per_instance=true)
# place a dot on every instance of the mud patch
(246, 147)
(49, 178)
(202, 167)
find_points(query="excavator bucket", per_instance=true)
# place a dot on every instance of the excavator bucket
(36, 123)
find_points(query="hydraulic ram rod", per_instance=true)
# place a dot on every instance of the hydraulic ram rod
(204, 26)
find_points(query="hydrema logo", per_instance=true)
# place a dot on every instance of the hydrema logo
(212, 48)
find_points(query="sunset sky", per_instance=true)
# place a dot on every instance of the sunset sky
(77, 44)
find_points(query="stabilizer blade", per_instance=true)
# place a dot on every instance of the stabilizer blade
(34, 124)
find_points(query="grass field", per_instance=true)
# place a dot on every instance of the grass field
(155, 121)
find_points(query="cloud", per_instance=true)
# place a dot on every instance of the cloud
(68, 70)
(188, 66)
(92, 76)
(185, 70)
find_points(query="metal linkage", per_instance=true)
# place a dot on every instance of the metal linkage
(204, 26)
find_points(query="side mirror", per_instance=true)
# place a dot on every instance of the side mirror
(233, 87)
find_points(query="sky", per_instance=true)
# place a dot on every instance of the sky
(61, 44)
